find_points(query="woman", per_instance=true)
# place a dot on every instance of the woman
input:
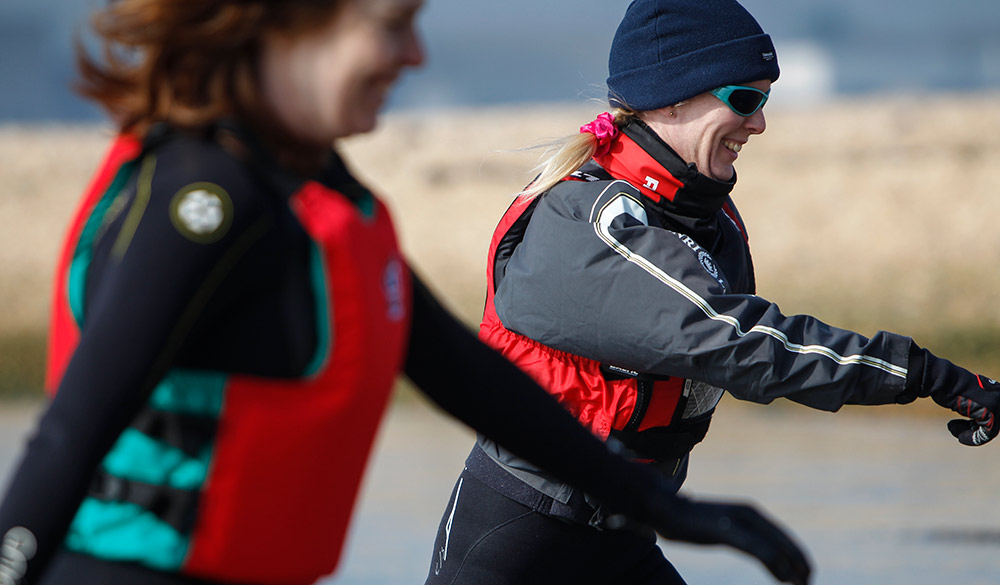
(622, 282)
(231, 312)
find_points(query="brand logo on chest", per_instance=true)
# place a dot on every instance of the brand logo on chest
(392, 288)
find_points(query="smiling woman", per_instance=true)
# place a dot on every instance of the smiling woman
(332, 84)
(621, 280)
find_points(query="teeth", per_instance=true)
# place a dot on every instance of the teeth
(733, 146)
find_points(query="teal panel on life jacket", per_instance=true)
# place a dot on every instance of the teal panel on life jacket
(197, 392)
(139, 457)
(121, 531)
(361, 197)
(77, 280)
(323, 333)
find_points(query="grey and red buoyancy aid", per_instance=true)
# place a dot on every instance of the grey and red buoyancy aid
(657, 417)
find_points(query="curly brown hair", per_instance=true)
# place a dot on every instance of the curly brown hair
(188, 62)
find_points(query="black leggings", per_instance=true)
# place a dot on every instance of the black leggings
(487, 538)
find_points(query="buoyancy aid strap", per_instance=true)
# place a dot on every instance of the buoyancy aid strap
(668, 392)
(188, 432)
(579, 509)
(643, 396)
(508, 236)
(667, 442)
(176, 507)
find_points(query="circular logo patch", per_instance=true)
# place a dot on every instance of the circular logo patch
(202, 212)
(706, 262)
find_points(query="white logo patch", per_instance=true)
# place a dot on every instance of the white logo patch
(200, 211)
(651, 183)
(704, 259)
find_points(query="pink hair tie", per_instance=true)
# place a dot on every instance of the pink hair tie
(604, 129)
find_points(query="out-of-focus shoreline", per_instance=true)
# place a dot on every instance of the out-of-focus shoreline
(869, 213)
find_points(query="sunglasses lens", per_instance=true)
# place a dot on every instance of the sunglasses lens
(746, 101)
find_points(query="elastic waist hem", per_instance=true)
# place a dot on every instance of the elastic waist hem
(577, 510)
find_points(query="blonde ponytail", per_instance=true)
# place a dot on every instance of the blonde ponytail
(567, 155)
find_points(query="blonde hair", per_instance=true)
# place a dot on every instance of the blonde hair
(568, 154)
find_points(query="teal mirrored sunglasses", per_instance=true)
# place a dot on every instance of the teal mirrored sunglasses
(741, 99)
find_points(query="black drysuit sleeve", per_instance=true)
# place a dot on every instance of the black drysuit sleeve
(600, 279)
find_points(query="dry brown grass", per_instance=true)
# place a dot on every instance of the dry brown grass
(876, 214)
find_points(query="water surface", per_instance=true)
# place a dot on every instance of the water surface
(878, 498)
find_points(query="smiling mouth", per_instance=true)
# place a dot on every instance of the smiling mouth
(733, 146)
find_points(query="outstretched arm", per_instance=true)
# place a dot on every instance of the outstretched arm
(478, 386)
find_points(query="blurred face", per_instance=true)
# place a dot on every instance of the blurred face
(704, 131)
(331, 83)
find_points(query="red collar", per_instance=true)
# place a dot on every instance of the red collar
(628, 161)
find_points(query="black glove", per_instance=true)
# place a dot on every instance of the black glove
(740, 526)
(18, 547)
(970, 395)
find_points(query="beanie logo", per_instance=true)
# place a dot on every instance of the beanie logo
(768, 56)
(651, 183)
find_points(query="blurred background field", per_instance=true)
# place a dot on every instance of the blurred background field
(871, 213)
(869, 199)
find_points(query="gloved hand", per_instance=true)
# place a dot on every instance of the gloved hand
(737, 525)
(970, 395)
(17, 548)
(740, 526)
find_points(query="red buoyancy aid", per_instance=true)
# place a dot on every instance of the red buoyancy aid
(289, 454)
(599, 401)
(657, 417)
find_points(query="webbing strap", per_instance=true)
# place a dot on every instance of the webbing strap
(174, 506)
(666, 443)
(188, 432)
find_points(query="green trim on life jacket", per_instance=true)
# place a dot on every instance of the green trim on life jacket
(362, 198)
(138, 208)
(318, 280)
(82, 256)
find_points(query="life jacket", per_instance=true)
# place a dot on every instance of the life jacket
(266, 493)
(657, 417)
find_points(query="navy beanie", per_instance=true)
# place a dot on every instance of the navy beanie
(667, 51)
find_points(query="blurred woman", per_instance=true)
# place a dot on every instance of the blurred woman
(621, 281)
(232, 309)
